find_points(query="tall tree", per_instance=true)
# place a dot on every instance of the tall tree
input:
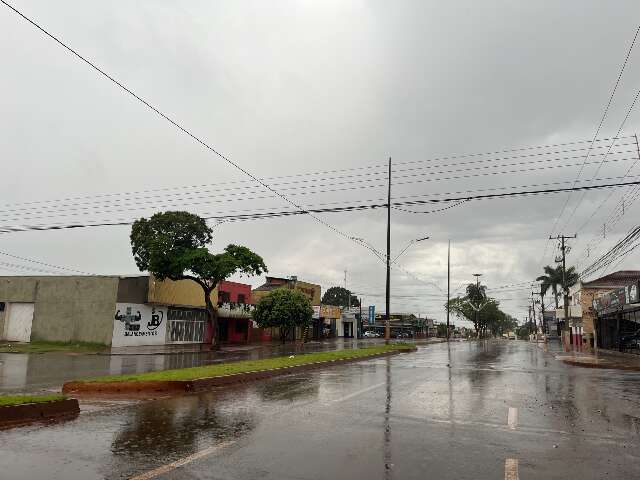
(552, 279)
(173, 245)
(484, 312)
(339, 296)
(285, 309)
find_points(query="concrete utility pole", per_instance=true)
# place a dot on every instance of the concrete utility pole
(565, 289)
(448, 284)
(542, 324)
(387, 325)
(533, 313)
(348, 292)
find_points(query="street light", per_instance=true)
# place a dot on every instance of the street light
(387, 258)
(407, 247)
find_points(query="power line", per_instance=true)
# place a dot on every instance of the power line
(148, 193)
(360, 184)
(170, 120)
(155, 206)
(597, 132)
(287, 213)
(31, 260)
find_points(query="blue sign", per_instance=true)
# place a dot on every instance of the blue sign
(372, 314)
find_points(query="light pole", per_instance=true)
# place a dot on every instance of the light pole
(477, 275)
(362, 241)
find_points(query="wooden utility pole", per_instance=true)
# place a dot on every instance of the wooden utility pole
(387, 325)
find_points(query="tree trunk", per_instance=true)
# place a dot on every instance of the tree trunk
(212, 315)
(283, 335)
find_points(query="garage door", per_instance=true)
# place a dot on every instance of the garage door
(18, 319)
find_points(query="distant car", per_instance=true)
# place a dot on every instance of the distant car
(370, 334)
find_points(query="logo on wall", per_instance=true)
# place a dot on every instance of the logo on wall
(131, 322)
(156, 319)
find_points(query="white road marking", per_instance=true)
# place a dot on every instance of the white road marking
(179, 463)
(512, 418)
(359, 392)
(511, 469)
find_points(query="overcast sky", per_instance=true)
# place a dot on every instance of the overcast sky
(296, 88)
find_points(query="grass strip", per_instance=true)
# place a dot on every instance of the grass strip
(44, 347)
(245, 366)
(10, 400)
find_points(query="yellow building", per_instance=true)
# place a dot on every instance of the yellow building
(311, 290)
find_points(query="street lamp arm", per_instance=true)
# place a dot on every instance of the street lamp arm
(407, 247)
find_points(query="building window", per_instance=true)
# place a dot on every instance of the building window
(224, 297)
(241, 298)
(1, 306)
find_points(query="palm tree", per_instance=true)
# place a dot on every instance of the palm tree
(553, 280)
(550, 280)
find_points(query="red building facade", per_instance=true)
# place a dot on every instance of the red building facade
(234, 315)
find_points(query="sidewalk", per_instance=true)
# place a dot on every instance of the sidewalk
(599, 359)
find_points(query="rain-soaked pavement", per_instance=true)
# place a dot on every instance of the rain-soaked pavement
(469, 410)
(42, 372)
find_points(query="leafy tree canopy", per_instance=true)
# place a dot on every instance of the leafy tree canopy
(484, 312)
(283, 308)
(339, 296)
(173, 245)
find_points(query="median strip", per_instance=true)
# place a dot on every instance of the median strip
(20, 409)
(205, 377)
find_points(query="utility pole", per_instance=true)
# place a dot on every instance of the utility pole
(542, 324)
(387, 325)
(533, 313)
(565, 289)
(348, 292)
(360, 323)
(448, 284)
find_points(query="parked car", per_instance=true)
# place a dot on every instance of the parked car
(630, 341)
(371, 334)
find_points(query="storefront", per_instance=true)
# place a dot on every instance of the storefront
(618, 319)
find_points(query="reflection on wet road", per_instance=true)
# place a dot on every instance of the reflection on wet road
(34, 372)
(481, 410)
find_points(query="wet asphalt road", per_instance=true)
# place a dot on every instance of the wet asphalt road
(44, 372)
(445, 412)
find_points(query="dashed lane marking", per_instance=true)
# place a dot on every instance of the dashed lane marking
(511, 469)
(512, 418)
(179, 463)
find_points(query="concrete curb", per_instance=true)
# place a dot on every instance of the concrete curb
(14, 415)
(201, 384)
(603, 366)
